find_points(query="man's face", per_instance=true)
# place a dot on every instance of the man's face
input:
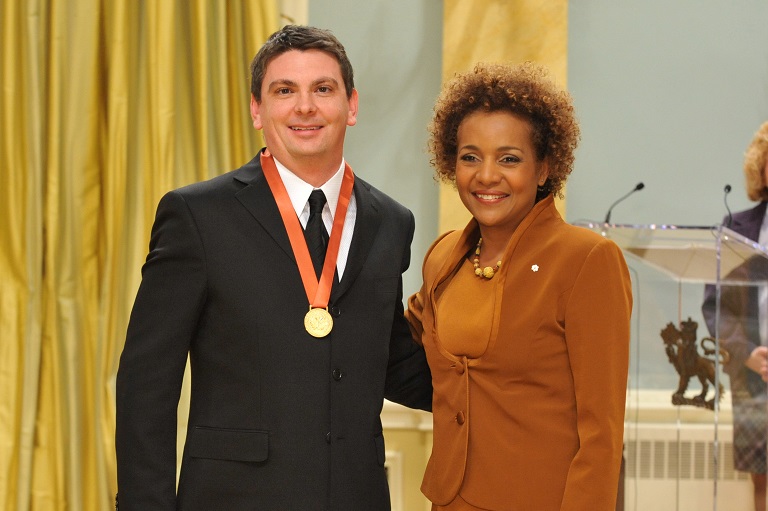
(304, 110)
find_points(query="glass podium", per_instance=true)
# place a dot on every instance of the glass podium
(694, 321)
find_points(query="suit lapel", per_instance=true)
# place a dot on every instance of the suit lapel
(259, 201)
(367, 222)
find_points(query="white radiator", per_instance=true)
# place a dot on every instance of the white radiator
(671, 467)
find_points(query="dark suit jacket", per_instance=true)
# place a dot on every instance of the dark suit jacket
(739, 315)
(278, 420)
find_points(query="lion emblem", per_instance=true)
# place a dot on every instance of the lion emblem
(680, 346)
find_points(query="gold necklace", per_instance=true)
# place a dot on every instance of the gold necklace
(486, 272)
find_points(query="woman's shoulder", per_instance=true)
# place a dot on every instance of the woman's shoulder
(757, 211)
(440, 250)
(445, 242)
(579, 237)
(567, 242)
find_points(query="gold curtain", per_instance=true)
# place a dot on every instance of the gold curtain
(104, 106)
(505, 31)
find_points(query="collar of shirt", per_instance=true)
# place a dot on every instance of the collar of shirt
(299, 190)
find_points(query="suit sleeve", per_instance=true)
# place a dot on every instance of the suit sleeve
(597, 330)
(149, 378)
(409, 381)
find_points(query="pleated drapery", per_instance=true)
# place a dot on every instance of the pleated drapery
(104, 106)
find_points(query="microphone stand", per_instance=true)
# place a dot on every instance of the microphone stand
(638, 186)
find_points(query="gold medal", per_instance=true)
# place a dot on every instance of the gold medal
(318, 322)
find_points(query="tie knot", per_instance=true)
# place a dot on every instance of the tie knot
(316, 202)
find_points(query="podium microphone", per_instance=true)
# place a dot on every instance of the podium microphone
(639, 186)
(726, 191)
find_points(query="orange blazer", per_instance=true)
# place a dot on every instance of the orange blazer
(537, 421)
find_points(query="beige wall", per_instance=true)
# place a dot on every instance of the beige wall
(408, 452)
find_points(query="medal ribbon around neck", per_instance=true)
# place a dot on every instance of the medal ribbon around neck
(317, 321)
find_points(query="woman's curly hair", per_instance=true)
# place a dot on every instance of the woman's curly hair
(754, 165)
(524, 90)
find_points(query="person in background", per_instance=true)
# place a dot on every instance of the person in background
(282, 282)
(525, 318)
(743, 324)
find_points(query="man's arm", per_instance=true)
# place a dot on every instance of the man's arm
(152, 364)
(409, 381)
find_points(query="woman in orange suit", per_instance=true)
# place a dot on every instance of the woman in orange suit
(524, 318)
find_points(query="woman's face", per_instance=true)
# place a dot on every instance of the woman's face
(496, 170)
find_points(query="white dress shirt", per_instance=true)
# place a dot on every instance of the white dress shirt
(299, 190)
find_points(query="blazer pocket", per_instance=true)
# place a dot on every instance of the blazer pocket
(228, 444)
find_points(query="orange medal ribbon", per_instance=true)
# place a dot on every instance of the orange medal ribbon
(317, 321)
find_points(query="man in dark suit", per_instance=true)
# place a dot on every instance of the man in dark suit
(290, 362)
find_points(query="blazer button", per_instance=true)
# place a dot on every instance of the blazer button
(328, 438)
(335, 311)
(460, 418)
(337, 374)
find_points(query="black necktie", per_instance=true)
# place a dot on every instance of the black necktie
(314, 232)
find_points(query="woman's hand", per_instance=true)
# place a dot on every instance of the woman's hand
(758, 362)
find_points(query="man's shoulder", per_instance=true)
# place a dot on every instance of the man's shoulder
(231, 180)
(365, 191)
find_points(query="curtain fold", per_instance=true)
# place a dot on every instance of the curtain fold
(105, 105)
